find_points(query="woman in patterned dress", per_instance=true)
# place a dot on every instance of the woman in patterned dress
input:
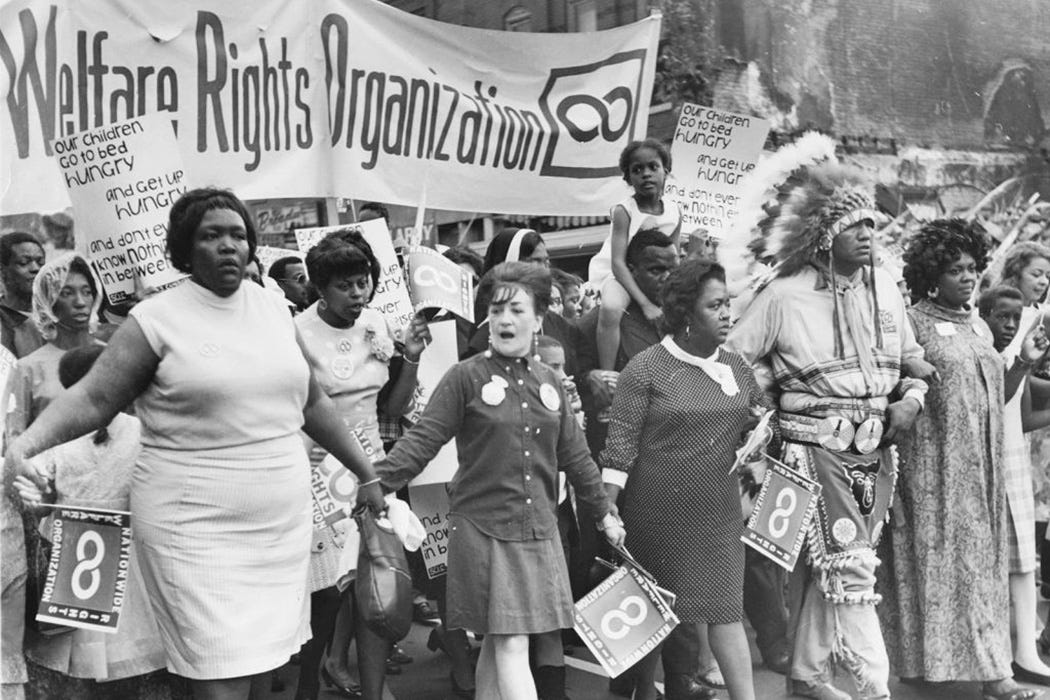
(352, 354)
(945, 612)
(680, 410)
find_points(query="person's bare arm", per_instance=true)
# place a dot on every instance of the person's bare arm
(122, 372)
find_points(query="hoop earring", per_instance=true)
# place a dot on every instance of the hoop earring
(322, 305)
(932, 293)
(688, 330)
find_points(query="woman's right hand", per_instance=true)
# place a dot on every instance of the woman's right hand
(372, 496)
(615, 535)
(32, 495)
(17, 464)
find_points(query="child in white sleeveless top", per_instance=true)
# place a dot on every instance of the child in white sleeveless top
(645, 165)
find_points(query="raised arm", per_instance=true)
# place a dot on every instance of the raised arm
(122, 372)
(397, 399)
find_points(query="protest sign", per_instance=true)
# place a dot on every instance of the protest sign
(334, 487)
(437, 358)
(430, 504)
(87, 575)
(435, 282)
(391, 297)
(268, 255)
(782, 513)
(339, 98)
(712, 150)
(122, 180)
(623, 619)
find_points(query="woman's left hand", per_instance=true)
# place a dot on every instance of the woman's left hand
(417, 337)
(372, 496)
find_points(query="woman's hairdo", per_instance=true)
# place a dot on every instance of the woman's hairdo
(342, 253)
(502, 282)
(1018, 257)
(500, 245)
(185, 217)
(629, 150)
(683, 287)
(935, 247)
(186, 214)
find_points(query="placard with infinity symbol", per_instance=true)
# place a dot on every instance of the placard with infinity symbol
(623, 619)
(783, 511)
(87, 576)
(435, 282)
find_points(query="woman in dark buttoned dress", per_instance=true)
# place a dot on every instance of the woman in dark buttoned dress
(514, 431)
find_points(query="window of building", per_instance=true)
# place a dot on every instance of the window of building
(517, 19)
(583, 15)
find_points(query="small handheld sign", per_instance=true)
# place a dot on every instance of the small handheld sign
(783, 511)
(623, 619)
(434, 281)
(87, 575)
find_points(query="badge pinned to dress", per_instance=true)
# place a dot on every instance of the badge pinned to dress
(945, 328)
(342, 367)
(495, 391)
(550, 397)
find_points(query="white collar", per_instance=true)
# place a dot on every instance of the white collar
(721, 373)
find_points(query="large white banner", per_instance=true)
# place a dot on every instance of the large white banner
(328, 98)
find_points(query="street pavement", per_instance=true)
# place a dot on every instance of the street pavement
(426, 678)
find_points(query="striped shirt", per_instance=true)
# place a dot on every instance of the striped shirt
(788, 333)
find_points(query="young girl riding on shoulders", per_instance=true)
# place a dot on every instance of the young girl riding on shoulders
(645, 165)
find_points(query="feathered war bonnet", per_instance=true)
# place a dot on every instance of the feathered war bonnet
(817, 198)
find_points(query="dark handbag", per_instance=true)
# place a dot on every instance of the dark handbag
(384, 584)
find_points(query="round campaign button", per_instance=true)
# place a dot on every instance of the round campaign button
(549, 396)
(493, 394)
(868, 437)
(834, 433)
(342, 367)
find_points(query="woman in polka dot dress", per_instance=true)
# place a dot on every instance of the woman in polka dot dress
(680, 411)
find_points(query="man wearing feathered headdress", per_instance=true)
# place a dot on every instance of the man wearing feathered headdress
(828, 336)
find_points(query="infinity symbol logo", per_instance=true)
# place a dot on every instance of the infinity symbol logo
(624, 620)
(592, 113)
(583, 135)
